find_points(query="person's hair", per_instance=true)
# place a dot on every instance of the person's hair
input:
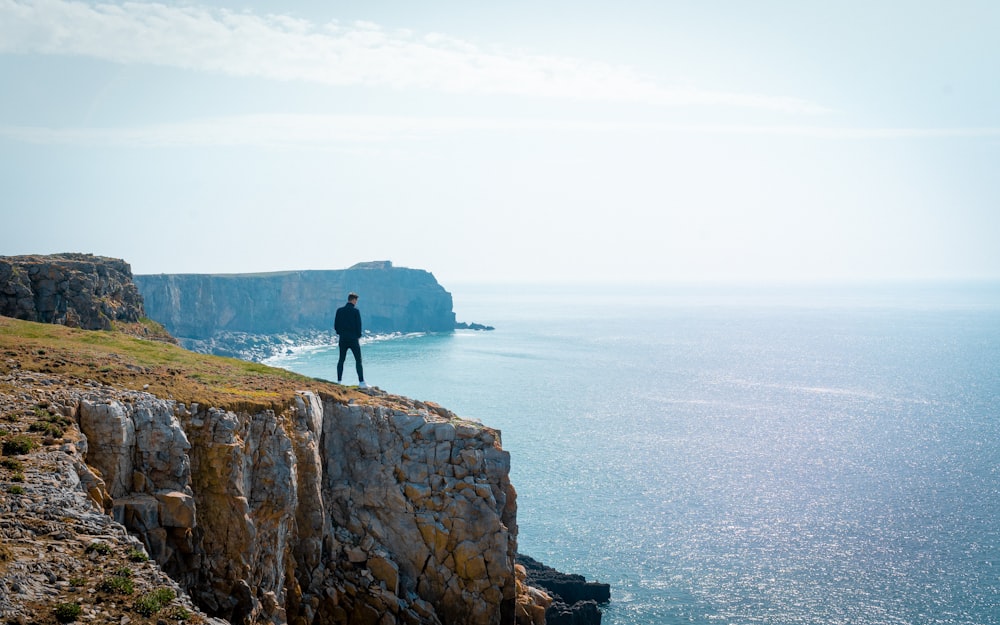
(352, 297)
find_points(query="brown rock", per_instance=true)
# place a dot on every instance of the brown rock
(386, 571)
(176, 509)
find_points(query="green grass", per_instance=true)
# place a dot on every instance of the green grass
(152, 602)
(18, 445)
(179, 613)
(137, 555)
(98, 547)
(164, 369)
(46, 427)
(12, 464)
(67, 612)
(117, 584)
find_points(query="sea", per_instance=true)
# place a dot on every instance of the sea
(735, 455)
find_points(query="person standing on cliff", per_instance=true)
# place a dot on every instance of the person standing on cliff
(347, 325)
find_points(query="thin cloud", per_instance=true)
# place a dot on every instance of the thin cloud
(284, 48)
(351, 131)
(834, 132)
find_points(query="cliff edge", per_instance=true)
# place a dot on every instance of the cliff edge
(267, 497)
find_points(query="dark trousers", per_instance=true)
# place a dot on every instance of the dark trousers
(355, 346)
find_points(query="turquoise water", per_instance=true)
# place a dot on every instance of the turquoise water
(737, 456)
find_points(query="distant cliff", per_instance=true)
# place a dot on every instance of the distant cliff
(216, 312)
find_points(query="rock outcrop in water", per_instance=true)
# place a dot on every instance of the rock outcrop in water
(574, 600)
(234, 314)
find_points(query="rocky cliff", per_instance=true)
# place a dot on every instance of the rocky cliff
(325, 512)
(75, 290)
(329, 507)
(230, 314)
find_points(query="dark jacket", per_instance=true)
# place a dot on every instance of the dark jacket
(347, 323)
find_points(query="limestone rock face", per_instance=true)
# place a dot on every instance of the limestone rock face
(141, 453)
(432, 493)
(325, 513)
(208, 311)
(76, 290)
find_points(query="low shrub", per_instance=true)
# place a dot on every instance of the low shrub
(152, 602)
(49, 423)
(46, 427)
(117, 584)
(179, 613)
(16, 490)
(164, 595)
(59, 419)
(68, 612)
(137, 555)
(98, 547)
(18, 445)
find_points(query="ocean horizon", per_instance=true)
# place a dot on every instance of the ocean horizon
(735, 454)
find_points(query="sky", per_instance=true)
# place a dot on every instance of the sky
(516, 141)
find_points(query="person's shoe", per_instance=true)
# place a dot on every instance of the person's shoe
(362, 384)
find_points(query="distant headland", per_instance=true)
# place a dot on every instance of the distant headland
(255, 315)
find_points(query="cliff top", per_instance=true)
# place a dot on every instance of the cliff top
(165, 370)
(374, 265)
(65, 257)
(123, 360)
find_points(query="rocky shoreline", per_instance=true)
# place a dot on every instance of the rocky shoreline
(575, 601)
(261, 347)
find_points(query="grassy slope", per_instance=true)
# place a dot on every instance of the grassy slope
(163, 369)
